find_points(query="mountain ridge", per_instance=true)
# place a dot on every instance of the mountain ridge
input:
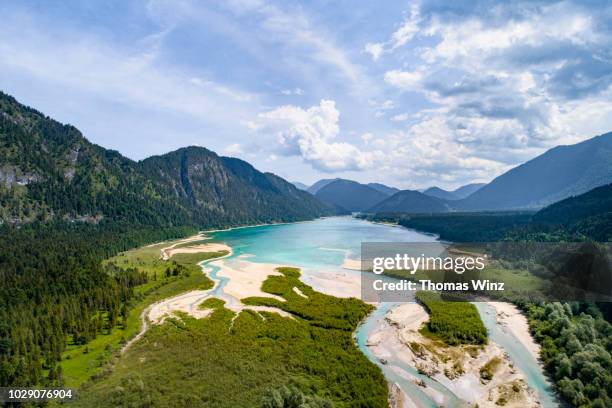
(50, 171)
(558, 173)
(349, 196)
(411, 201)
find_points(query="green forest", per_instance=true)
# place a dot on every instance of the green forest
(56, 292)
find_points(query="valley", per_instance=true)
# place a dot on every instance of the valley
(276, 297)
(111, 287)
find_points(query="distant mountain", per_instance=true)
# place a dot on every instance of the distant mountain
(456, 194)
(299, 185)
(440, 193)
(383, 188)
(468, 189)
(349, 195)
(319, 185)
(410, 201)
(559, 173)
(50, 171)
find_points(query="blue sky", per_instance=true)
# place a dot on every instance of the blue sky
(411, 94)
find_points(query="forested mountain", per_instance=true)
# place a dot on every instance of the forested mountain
(589, 214)
(227, 191)
(595, 202)
(50, 171)
(410, 201)
(349, 195)
(553, 176)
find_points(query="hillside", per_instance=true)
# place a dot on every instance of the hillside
(595, 202)
(229, 191)
(300, 186)
(589, 214)
(410, 201)
(349, 195)
(319, 185)
(383, 188)
(440, 193)
(468, 189)
(49, 171)
(559, 173)
(457, 194)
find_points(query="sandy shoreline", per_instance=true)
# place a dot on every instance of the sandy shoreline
(515, 321)
(244, 279)
(167, 253)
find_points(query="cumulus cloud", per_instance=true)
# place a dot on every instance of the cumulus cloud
(311, 133)
(507, 81)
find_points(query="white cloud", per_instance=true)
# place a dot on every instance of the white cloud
(407, 30)
(400, 117)
(294, 91)
(404, 79)
(374, 49)
(366, 137)
(294, 29)
(234, 149)
(311, 133)
(505, 85)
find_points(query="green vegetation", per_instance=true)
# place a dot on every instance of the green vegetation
(584, 217)
(576, 348)
(56, 293)
(165, 279)
(247, 360)
(318, 309)
(462, 227)
(212, 303)
(454, 322)
(290, 397)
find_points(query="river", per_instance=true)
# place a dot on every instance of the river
(321, 246)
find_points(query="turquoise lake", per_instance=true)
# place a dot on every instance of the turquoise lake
(322, 245)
